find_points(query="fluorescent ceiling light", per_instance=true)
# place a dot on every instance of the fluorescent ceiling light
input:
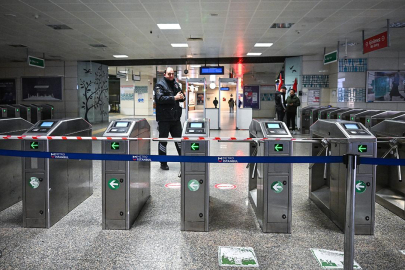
(167, 26)
(263, 44)
(120, 56)
(195, 66)
(254, 53)
(179, 45)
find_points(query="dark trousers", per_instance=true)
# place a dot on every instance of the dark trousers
(166, 127)
(291, 118)
(280, 114)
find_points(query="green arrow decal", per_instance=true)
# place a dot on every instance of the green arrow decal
(362, 148)
(34, 145)
(193, 185)
(278, 147)
(195, 146)
(113, 183)
(115, 145)
(360, 186)
(277, 186)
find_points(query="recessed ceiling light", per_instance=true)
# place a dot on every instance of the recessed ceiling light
(195, 66)
(254, 53)
(168, 26)
(179, 45)
(120, 56)
(263, 44)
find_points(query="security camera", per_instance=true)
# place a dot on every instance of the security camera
(185, 71)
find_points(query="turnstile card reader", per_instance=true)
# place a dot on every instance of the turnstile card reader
(25, 111)
(390, 189)
(372, 120)
(361, 116)
(270, 184)
(54, 187)
(11, 170)
(195, 177)
(345, 115)
(327, 188)
(126, 185)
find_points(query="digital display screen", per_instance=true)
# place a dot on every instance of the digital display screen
(272, 125)
(212, 70)
(46, 124)
(351, 126)
(196, 125)
(121, 124)
(224, 89)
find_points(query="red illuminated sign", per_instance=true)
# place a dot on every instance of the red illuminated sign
(375, 43)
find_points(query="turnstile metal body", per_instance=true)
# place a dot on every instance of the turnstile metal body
(36, 113)
(361, 116)
(195, 177)
(11, 189)
(390, 188)
(25, 111)
(346, 114)
(372, 120)
(327, 188)
(399, 118)
(3, 112)
(54, 187)
(270, 184)
(314, 115)
(305, 119)
(126, 185)
(46, 110)
(334, 114)
(323, 114)
(12, 112)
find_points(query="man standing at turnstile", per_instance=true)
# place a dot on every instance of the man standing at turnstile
(168, 95)
(280, 103)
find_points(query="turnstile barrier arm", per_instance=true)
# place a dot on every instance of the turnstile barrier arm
(394, 146)
(325, 145)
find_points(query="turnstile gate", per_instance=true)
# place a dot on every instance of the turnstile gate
(195, 177)
(327, 188)
(399, 118)
(305, 119)
(314, 115)
(324, 113)
(390, 188)
(372, 120)
(11, 170)
(25, 111)
(126, 185)
(334, 114)
(12, 112)
(54, 187)
(3, 112)
(46, 110)
(361, 116)
(270, 184)
(36, 113)
(346, 114)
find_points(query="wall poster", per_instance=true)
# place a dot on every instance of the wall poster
(41, 88)
(200, 99)
(8, 91)
(251, 96)
(385, 86)
(313, 96)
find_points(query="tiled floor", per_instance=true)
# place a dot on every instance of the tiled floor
(156, 242)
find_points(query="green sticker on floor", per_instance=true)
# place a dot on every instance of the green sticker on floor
(237, 256)
(330, 259)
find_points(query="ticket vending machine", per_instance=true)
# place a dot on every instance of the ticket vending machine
(25, 111)
(327, 187)
(125, 184)
(11, 170)
(270, 183)
(54, 187)
(12, 112)
(195, 177)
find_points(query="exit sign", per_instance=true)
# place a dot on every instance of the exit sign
(330, 57)
(36, 62)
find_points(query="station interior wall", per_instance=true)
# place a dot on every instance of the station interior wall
(129, 107)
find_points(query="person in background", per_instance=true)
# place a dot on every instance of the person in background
(231, 103)
(292, 103)
(280, 103)
(168, 95)
(215, 102)
(240, 103)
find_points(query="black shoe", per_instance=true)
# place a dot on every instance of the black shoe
(164, 167)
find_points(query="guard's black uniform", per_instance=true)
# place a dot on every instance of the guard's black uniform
(168, 113)
(280, 105)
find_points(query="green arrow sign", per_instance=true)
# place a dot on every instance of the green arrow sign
(36, 62)
(330, 57)
(360, 186)
(277, 186)
(113, 184)
(115, 145)
(193, 185)
(34, 182)
(278, 147)
(34, 145)
(195, 146)
(362, 148)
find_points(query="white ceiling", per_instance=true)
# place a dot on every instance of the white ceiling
(124, 26)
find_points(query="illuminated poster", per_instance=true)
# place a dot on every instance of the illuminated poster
(385, 86)
(251, 97)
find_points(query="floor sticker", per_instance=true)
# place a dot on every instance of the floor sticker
(330, 259)
(173, 185)
(237, 256)
(225, 186)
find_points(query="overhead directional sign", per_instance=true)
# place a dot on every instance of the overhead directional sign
(113, 183)
(34, 145)
(362, 148)
(195, 146)
(193, 185)
(34, 182)
(278, 147)
(360, 186)
(115, 145)
(277, 186)
(375, 43)
(330, 57)
(36, 62)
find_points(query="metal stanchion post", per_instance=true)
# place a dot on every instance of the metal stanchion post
(350, 206)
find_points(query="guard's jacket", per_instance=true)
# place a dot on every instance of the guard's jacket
(167, 108)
